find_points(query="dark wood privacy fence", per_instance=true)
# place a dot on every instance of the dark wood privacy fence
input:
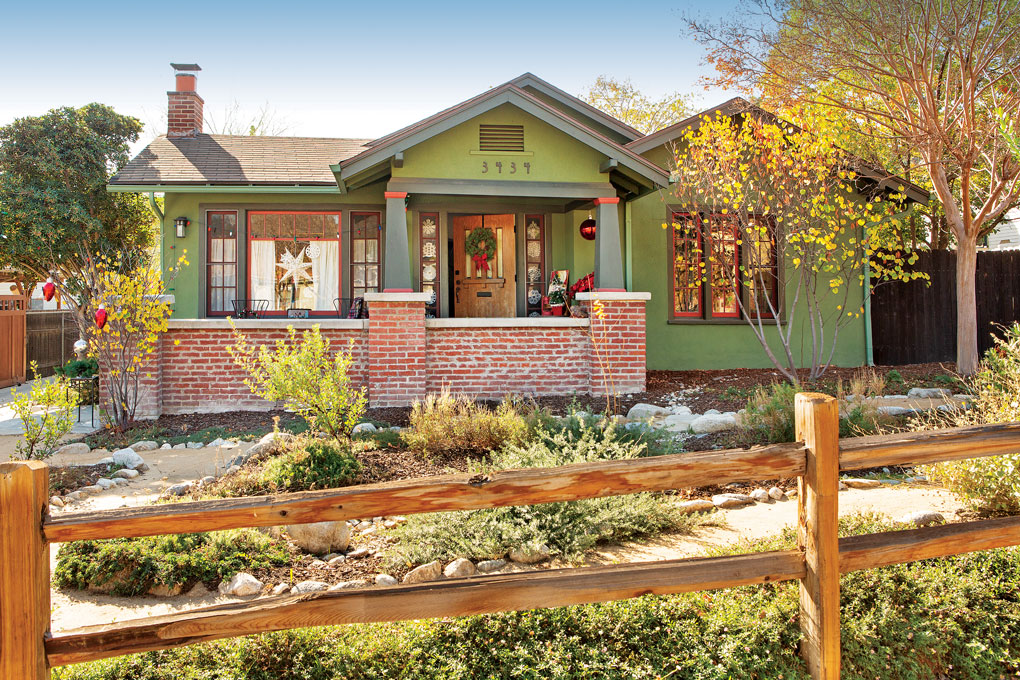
(12, 340)
(51, 336)
(916, 323)
(28, 651)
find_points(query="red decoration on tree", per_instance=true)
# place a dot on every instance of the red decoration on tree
(101, 316)
(48, 289)
(588, 229)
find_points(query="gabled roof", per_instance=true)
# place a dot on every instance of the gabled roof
(380, 151)
(237, 160)
(529, 80)
(882, 178)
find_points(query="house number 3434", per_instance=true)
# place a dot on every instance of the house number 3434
(510, 167)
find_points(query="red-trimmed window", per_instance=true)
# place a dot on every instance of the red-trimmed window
(761, 268)
(688, 265)
(221, 262)
(723, 265)
(294, 259)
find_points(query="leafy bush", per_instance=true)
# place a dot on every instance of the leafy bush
(955, 617)
(444, 423)
(305, 377)
(654, 441)
(76, 368)
(568, 529)
(131, 566)
(894, 377)
(317, 465)
(770, 412)
(46, 413)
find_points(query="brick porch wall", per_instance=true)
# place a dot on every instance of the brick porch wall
(401, 356)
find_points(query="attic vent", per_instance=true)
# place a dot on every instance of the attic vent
(501, 138)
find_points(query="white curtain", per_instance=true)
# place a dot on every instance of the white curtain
(326, 275)
(263, 271)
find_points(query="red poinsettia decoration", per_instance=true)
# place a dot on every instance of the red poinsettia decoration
(582, 285)
(101, 316)
(49, 289)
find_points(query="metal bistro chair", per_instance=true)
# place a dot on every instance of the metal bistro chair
(249, 309)
(87, 388)
(350, 308)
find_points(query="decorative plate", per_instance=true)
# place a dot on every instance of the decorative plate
(534, 274)
(534, 250)
(428, 250)
(432, 294)
(534, 314)
(533, 231)
(428, 272)
(428, 229)
(534, 296)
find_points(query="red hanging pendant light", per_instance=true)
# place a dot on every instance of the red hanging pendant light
(587, 229)
(49, 289)
(101, 317)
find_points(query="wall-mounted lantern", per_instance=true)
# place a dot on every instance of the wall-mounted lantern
(181, 224)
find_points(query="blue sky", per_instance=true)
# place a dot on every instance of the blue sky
(338, 68)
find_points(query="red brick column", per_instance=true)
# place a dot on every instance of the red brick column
(617, 341)
(397, 372)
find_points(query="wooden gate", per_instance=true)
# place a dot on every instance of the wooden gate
(12, 340)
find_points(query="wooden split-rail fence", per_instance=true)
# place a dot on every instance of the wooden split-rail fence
(28, 650)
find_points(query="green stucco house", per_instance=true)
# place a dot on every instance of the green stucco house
(439, 252)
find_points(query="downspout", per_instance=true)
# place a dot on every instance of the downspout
(627, 250)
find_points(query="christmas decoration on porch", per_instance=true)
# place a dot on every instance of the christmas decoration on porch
(480, 245)
(49, 289)
(587, 229)
(101, 317)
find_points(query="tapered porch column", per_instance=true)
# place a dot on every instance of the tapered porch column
(396, 256)
(608, 258)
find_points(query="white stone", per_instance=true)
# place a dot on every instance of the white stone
(858, 483)
(358, 553)
(928, 393)
(731, 500)
(339, 559)
(198, 590)
(126, 473)
(713, 412)
(461, 566)
(75, 449)
(646, 411)
(208, 479)
(216, 442)
(530, 554)
(119, 481)
(105, 483)
(361, 428)
(760, 495)
(309, 587)
(776, 494)
(276, 437)
(320, 538)
(490, 566)
(241, 584)
(57, 501)
(145, 445)
(280, 589)
(194, 445)
(426, 572)
(75, 495)
(699, 505)
(678, 422)
(90, 489)
(128, 458)
(680, 410)
(105, 461)
(385, 580)
(166, 446)
(229, 445)
(177, 489)
(894, 410)
(346, 585)
(178, 446)
(318, 564)
(713, 422)
(923, 518)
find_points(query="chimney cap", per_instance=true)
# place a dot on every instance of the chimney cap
(185, 67)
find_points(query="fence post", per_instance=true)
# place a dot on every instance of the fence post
(24, 571)
(818, 519)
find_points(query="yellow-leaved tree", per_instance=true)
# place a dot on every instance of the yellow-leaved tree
(778, 224)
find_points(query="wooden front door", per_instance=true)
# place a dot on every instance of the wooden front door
(480, 291)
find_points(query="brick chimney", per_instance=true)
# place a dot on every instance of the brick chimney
(184, 109)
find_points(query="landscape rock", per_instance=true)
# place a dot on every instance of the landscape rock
(90, 489)
(358, 553)
(699, 505)
(923, 518)
(177, 489)
(490, 566)
(680, 410)
(178, 446)
(160, 590)
(198, 590)
(216, 442)
(128, 458)
(426, 572)
(339, 559)
(309, 587)
(776, 494)
(166, 445)
(364, 427)
(530, 554)
(241, 584)
(731, 500)
(461, 566)
(75, 495)
(126, 473)
(318, 564)
(858, 483)
(144, 445)
(280, 589)
(105, 483)
(760, 495)
(894, 410)
(713, 412)
(713, 422)
(229, 445)
(208, 479)
(75, 449)
(194, 445)
(345, 585)
(929, 393)
(678, 422)
(385, 580)
(120, 480)
(105, 461)
(276, 437)
(320, 538)
(646, 411)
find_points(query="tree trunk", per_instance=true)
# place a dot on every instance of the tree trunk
(966, 307)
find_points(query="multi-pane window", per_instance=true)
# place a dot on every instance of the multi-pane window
(716, 259)
(294, 259)
(365, 252)
(221, 262)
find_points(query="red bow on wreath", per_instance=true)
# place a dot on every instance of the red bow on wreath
(481, 262)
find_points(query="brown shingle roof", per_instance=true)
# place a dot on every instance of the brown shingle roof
(235, 159)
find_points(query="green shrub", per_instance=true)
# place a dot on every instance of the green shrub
(955, 617)
(568, 529)
(770, 412)
(46, 413)
(131, 566)
(444, 423)
(306, 377)
(317, 464)
(894, 377)
(654, 441)
(77, 368)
